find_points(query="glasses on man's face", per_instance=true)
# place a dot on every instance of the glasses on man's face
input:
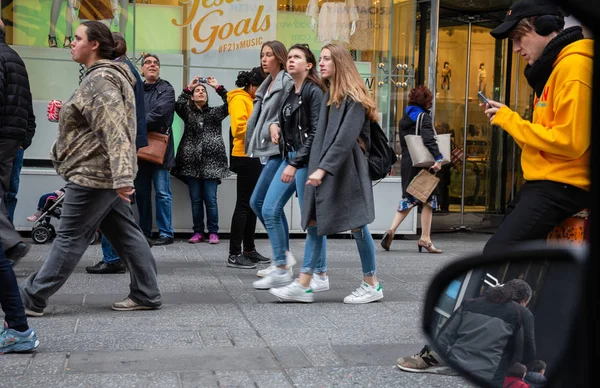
(151, 62)
(306, 46)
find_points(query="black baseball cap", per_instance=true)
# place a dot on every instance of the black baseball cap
(523, 9)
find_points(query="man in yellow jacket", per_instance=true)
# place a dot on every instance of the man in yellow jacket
(556, 144)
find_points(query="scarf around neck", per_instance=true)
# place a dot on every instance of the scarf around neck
(537, 74)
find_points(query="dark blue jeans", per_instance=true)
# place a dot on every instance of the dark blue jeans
(109, 255)
(15, 180)
(203, 193)
(10, 298)
(147, 175)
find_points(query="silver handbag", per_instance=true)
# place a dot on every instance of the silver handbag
(419, 154)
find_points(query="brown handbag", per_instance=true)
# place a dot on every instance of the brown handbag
(422, 185)
(156, 149)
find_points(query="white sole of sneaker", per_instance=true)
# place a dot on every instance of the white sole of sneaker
(281, 296)
(133, 308)
(31, 313)
(364, 301)
(438, 370)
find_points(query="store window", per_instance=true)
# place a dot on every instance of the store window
(217, 38)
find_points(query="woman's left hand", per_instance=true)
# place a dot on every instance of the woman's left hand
(212, 82)
(316, 178)
(288, 174)
(437, 166)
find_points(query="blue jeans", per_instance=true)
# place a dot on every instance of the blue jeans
(147, 175)
(15, 180)
(203, 192)
(260, 192)
(108, 252)
(10, 297)
(315, 247)
(278, 195)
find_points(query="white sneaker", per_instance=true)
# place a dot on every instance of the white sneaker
(290, 262)
(365, 294)
(319, 283)
(294, 292)
(273, 280)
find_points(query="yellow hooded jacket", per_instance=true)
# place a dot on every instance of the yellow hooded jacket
(240, 107)
(556, 144)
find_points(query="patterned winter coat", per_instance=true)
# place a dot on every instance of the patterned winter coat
(96, 130)
(201, 153)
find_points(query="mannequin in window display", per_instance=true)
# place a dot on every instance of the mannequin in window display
(336, 20)
(72, 5)
(446, 75)
(481, 76)
(104, 11)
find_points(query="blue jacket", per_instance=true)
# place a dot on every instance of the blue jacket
(159, 100)
(141, 138)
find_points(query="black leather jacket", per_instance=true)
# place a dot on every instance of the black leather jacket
(305, 118)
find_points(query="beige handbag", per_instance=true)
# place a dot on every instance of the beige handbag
(156, 149)
(423, 185)
(419, 154)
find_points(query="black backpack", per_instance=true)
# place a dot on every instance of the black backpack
(380, 156)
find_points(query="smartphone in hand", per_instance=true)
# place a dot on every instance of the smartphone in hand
(483, 98)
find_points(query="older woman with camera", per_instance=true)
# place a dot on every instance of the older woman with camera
(201, 160)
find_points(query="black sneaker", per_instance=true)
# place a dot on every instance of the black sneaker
(239, 261)
(107, 268)
(163, 240)
(256, 257)
(17, 252)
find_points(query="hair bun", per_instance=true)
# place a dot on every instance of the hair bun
(243, 79)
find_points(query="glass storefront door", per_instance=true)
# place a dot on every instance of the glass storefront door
(470, 60)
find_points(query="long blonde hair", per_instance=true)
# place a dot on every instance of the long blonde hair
(346, 81)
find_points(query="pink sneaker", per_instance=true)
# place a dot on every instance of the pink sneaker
(34, 217)
(213, 238)
(196, 238)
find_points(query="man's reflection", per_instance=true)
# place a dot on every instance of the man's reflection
(486, 335)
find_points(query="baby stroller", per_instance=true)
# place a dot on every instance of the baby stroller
(43, 231)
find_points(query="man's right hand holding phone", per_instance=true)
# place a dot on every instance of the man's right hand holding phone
(491, 108)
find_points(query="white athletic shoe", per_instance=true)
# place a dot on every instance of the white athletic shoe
(294, 292)
(290, 262)
(273, 280)
(365, 294)
(319, 283)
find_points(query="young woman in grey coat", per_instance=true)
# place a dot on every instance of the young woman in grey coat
(339, 195)
(268, 101)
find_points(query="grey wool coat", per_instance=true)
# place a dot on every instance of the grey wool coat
(344, 200)
(266, 112)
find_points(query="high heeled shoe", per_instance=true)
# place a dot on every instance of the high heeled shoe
(428, 246)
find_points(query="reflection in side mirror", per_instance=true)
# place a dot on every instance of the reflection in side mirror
(485, 316)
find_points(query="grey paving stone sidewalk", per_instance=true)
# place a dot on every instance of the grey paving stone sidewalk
(215, 330)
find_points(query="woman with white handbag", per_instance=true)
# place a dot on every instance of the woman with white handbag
(416, 120)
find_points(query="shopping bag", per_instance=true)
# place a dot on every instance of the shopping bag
(423, 185)
(419, 154)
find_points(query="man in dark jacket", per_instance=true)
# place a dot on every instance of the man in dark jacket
(111, 263)
(535, 376)
(17, 126)
(159, 101)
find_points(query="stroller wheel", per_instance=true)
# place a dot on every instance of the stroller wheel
(41, 234)
(52, 231)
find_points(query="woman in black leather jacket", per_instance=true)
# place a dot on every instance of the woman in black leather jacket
(294, 135)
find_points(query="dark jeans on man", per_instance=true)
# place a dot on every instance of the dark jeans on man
(8, 152)
(15, 180)
(10, 298)
(85, 210)
(538, 208)
(152, 174)
(243, 221)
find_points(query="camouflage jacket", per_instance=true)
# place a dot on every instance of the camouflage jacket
(96, 130)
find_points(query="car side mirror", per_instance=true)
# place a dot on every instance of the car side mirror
(479, 322)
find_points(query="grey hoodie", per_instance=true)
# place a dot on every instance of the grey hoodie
(95, 146)
(266, 112)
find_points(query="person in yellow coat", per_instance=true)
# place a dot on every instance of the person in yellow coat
(555, 144)
(243, 222)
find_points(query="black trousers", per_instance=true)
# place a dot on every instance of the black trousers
(243, 222)
(8, 152)
(537, 209)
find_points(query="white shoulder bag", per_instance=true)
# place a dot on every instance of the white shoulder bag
(419, 154)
